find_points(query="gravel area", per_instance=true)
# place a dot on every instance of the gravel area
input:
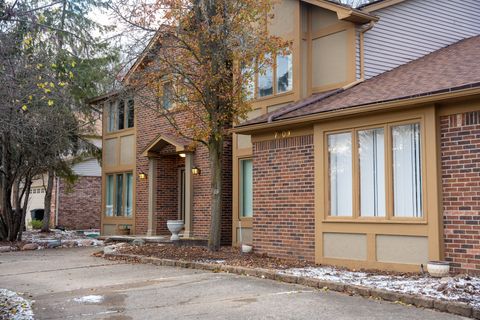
(461, 288)
(14, 307)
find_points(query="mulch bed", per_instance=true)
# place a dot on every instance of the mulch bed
(226, 255)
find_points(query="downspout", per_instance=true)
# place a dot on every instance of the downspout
(362, 49)
(57, 200)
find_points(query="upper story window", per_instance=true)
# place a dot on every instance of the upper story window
(167, 95)
(120, 115)
(275, 79)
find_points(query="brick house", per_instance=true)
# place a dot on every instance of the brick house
(362, 148)
(74, 207)
(373, 158)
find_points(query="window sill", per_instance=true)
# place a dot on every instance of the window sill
(117, 132)
(375, 221)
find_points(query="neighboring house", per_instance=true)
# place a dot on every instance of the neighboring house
(362, 149)
(378, 173)
(74, 207)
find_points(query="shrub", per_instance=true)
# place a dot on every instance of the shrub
(36, 224)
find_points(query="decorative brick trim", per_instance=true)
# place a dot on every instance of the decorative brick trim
(283, 143)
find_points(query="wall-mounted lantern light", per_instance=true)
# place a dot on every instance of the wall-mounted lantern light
(183, 155)
(196, 171)
(142, 175)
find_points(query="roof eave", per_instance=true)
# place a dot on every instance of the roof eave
(373, 107)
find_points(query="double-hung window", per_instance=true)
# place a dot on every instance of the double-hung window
(375, 172)
(119, 195)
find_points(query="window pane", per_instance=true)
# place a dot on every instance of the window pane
(111, 117)
(119, 196)
(371, 152)
(340, 159)
(407, 177)
(129, 195)
(167, 96)
(246, 188)
(265, 81)
(109, 197)
(130, 114)
(121, 115)
(284, 73)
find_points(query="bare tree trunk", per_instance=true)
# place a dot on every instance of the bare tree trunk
(28, 186)
(216, 151)
(48, 201)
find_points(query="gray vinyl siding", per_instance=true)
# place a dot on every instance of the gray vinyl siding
(414, 28)
(88, 168)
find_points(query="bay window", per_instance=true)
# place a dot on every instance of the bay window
(119, 195)
(365, 165)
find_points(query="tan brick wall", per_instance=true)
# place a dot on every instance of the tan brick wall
(460, 149)
(79, 206)
(283, 193)
(149, 125)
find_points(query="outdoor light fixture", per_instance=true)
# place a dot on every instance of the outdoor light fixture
(183, 155)
(142, 175)
(196, 171)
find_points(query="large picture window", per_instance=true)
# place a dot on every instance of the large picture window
(246, 188)
(386, 160)
(119, 195)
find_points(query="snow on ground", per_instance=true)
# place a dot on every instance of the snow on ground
(14, 307)
(459, 288)
(89, 299)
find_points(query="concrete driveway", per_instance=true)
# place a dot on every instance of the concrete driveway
(71, 284)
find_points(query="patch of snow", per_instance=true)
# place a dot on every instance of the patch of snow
(13, 306)
(458, 288)
(89, 299)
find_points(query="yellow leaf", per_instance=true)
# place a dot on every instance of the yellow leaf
(52, 85)
(48, 90)
(50, 103)
(70, 74)
(30, 97)
(54, 65)
(24, 107)
(73, 64)
(62, 84)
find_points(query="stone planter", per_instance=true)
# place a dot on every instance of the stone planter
(246, 248)
(174, 226)
(438, 269)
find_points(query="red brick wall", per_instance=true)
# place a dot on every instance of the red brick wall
(283, 198)
(149, 125)
(460, 149)
(79, 206)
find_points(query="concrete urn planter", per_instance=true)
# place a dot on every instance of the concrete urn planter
(174, 226)
(438, 269)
